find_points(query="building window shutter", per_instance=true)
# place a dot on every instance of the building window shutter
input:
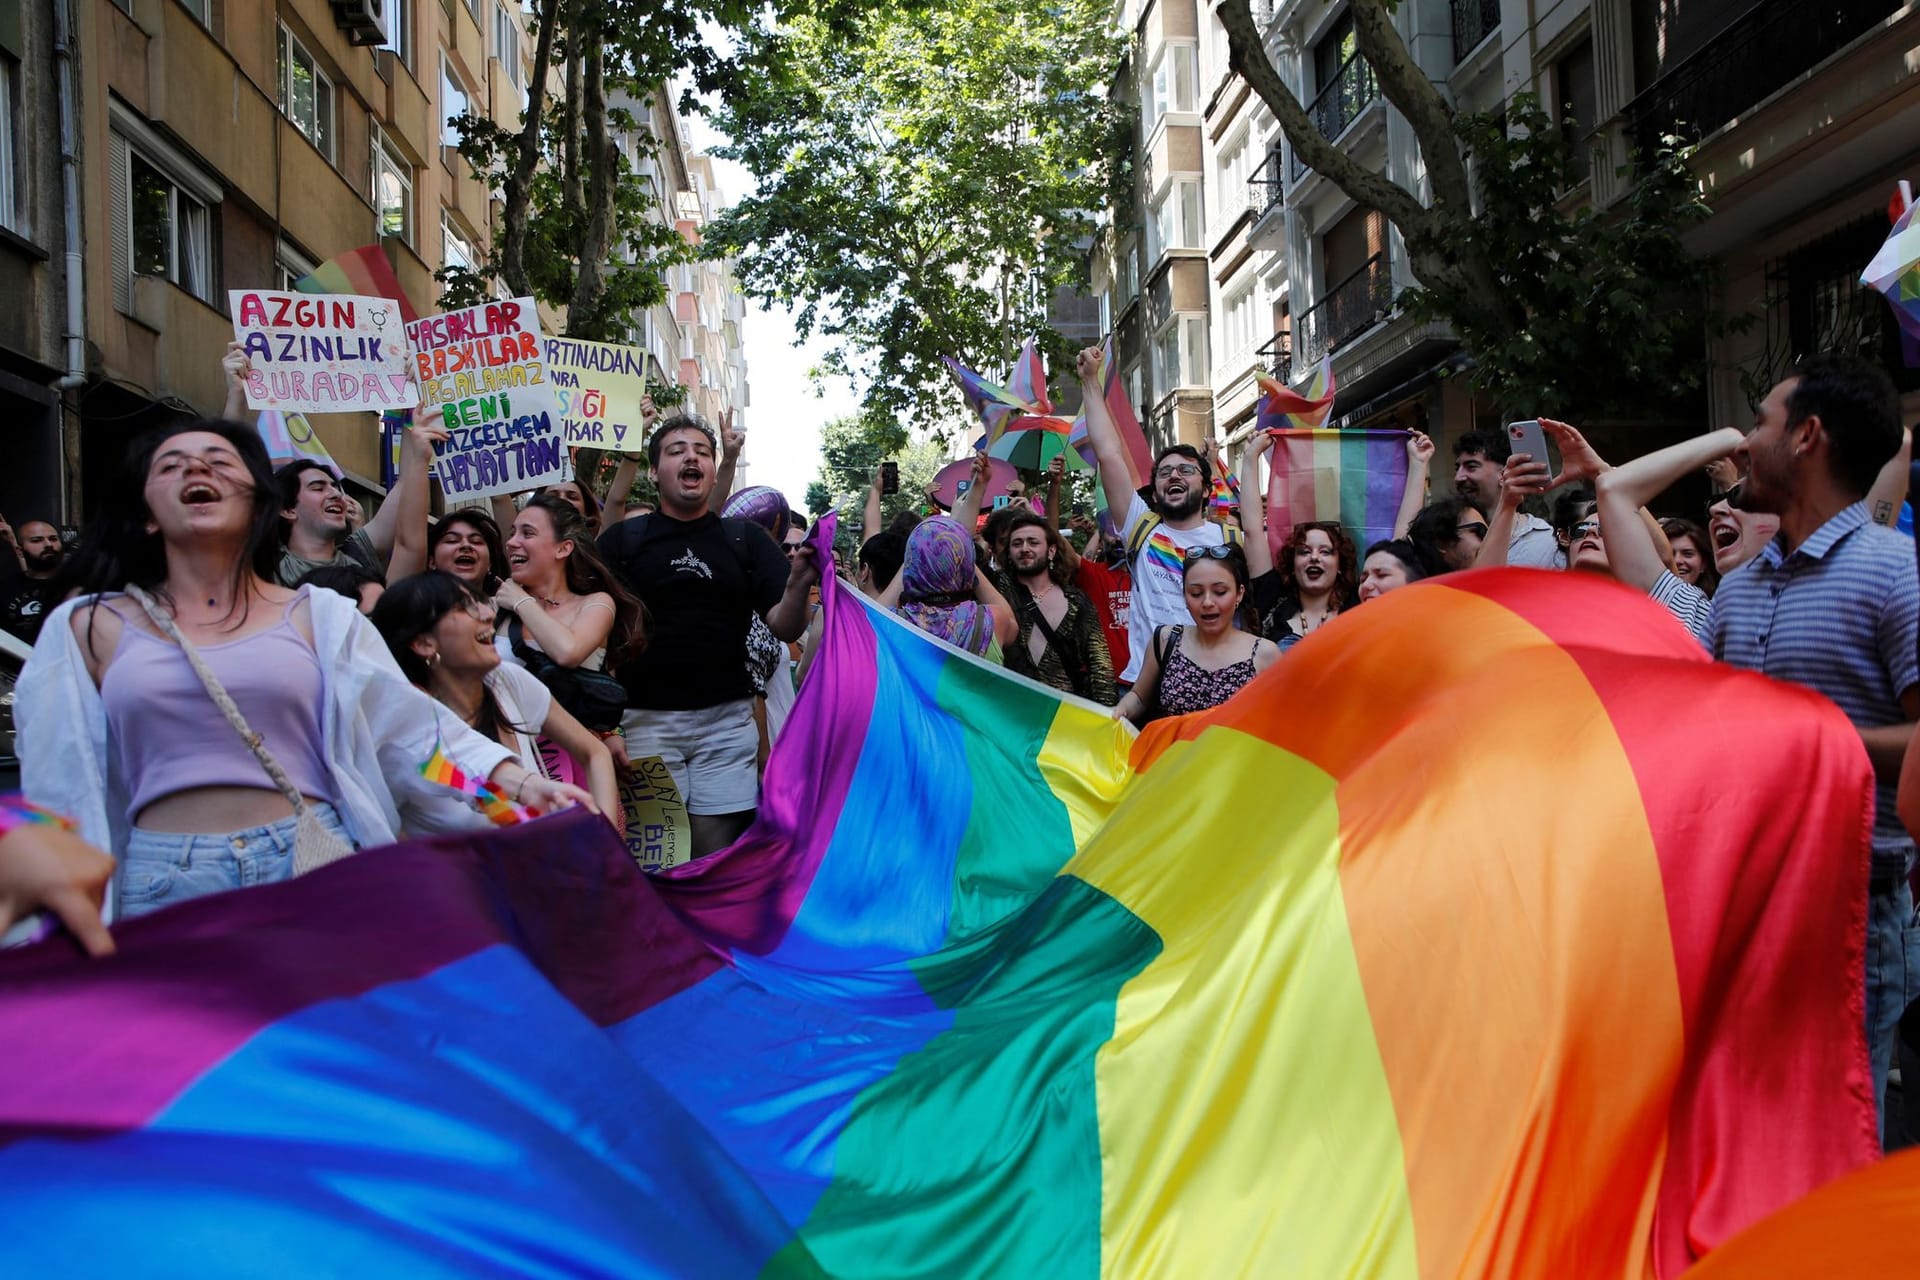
(120, 223)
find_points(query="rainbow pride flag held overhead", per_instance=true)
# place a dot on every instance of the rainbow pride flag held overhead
(290, 437)
(1282, 408)
(993, 402)
(1356, 477)
(994, 988)
(363, 271)
(1029, 379)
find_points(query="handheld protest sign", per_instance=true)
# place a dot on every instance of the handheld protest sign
(484, 366)
(322, 353)
(599, 386)
(659, 833)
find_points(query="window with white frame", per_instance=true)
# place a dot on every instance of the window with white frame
(1180, 353)
(473, 7)
(397, 17)
(1171, 81)
(1239, 323)
(172, 231)
(1218, 49)
(1234, 165)
(12, 209)
(506, 45)
(392, 190)
(199, 9)
(453, 102)
(290, 267)
(306, 95)
(456, 250)
(1175, 221)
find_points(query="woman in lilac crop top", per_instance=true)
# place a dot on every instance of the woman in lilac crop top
(182, 803)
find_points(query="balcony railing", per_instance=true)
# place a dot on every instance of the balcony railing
(1473, 21)
(1267, 186)
(1346, 310)
(1277, 357)
(1160, 424)
(1764, 48)
(1353, 89)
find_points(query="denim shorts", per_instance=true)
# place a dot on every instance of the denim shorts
(164, 867)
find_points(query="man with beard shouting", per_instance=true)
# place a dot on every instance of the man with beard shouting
(1060, 641)
(689, 697)
(26, 594)
(1158, 533)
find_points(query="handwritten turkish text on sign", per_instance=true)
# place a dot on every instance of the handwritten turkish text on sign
(484, 365)
(659, 833)
(322, 353)
(599, 386)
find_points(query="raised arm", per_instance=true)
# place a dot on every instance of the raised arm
(1116, 481)
(1414, 496)
(966, 508)
(1519, 479)
(1006, 628)
(413, 495)
(1253, 507)
(788, 619)
(237, 365)
(1623, 491)
(614, 509)
(870, 515)
(731, 442)
(1890, 486)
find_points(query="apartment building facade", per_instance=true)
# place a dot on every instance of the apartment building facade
(1806, 120)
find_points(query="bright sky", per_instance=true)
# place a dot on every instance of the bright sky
(784, 416)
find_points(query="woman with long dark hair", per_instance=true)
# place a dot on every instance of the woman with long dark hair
(122, 726)
(467, 544)
(1192, 668)
(441, 635)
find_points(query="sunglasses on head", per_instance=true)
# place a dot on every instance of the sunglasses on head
(1220, 551)
(1474, 527)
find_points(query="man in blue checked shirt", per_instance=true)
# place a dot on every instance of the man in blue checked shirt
(1833, 603)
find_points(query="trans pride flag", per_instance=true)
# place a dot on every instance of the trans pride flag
(993, 987)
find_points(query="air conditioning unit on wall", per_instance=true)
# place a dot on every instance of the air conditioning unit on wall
(364, 21)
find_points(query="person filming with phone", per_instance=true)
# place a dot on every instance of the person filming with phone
(1480, 460)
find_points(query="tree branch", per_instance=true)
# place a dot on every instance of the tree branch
(1407, 87)
(518, 195)
(1248, 57)
(596, 241)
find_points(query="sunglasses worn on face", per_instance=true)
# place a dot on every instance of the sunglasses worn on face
(1221, 552)
(1585, 529)
(1473, 527)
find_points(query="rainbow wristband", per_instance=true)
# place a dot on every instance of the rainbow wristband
(17, 811)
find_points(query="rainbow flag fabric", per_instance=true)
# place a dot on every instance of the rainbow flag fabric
(497, 809)
(1356, 477)
(1125, 420)
(1319, 983)
(1895, 273)
(363, 271)
(1029, 378)
(993, 402)
(1283, 409)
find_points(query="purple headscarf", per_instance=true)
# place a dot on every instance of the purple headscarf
(936, 585)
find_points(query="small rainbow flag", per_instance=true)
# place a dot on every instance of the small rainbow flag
(290, 437)
(993, 402)
(364, 271)
(1224, 497)
(1029, 379)
(1284, 408)
(1895, 274)
(498, 810)
(1371, 1027)
(1355, 477)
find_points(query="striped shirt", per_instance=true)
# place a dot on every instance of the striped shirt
(1684, 601)
(1839, 614)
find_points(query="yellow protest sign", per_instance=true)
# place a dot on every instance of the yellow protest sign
(658, 832)
(600, 386)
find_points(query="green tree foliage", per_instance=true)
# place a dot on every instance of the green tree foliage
(926, 180)
(851, 450)
(1565, 310)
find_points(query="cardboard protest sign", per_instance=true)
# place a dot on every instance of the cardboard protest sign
(659, 834)
(322, 353)
(484, 364)
(599, 386)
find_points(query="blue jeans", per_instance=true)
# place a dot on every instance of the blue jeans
(163, 867)
(1893, 978)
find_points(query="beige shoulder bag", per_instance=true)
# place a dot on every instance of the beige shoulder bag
(313, 845)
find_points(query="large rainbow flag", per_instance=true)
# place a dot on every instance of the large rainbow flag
(363, 271)
(1445, 949)
(1356, 477)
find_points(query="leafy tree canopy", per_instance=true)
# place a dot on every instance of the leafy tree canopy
(926, 180)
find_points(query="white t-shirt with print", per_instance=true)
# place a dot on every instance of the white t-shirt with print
(1158, 598)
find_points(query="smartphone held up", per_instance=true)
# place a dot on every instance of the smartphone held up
(889, 477)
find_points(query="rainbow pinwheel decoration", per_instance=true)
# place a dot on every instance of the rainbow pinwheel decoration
(1287, 409)
(1895, 273)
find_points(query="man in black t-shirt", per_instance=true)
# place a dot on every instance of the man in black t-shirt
(26, 578)
(703, 579)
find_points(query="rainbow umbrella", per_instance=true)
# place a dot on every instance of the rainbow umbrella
(1032, 443)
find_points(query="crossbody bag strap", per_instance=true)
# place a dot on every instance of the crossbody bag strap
(1070, 659)
(217, 691)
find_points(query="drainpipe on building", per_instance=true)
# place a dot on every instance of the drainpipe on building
(76, 325)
